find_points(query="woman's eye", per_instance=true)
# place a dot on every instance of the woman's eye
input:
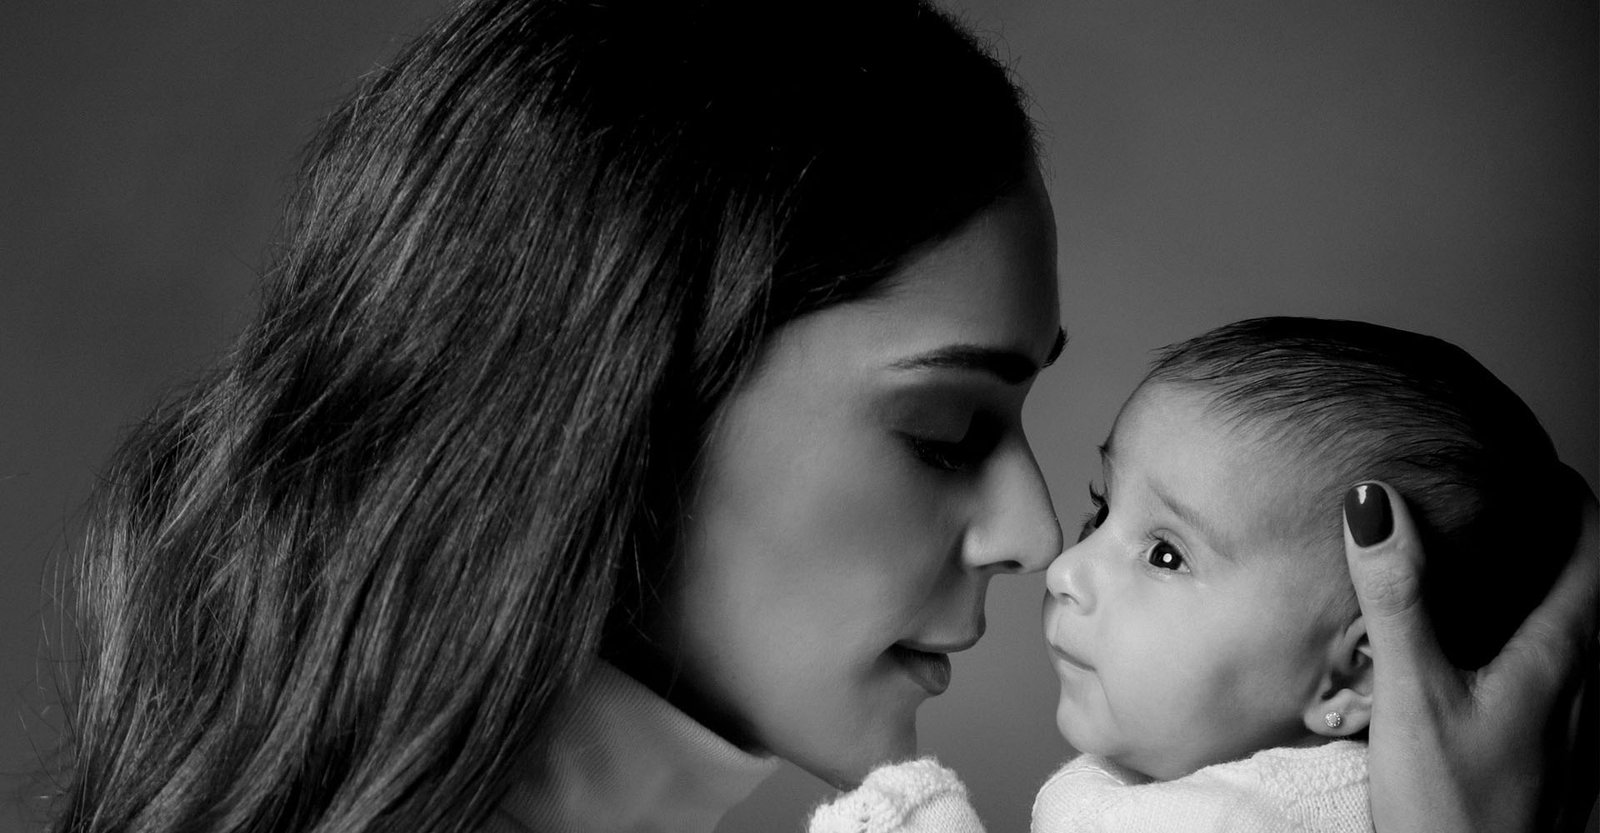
(1165, 556)
(1093, 520)
(961, 455)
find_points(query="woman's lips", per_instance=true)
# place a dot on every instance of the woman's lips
(930, 669)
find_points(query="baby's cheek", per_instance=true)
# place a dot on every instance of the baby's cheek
(1248, 699)
(1179, 670)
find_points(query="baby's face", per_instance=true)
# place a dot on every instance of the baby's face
(1194, 623)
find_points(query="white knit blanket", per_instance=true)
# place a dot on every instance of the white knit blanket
(1320, 789)
(913, 797)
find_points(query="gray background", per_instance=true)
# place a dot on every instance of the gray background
(1429, 164)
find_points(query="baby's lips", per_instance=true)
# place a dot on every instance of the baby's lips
(1067, 656)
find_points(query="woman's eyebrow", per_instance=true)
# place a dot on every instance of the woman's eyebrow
(1010, 366)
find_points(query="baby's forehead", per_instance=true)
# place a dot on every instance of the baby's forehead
(1293, 486)
(1269, 439)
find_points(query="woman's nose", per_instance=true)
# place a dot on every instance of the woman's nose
(1068, 577)
(1018, 532)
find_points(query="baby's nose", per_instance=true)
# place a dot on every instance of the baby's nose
(1067, 578)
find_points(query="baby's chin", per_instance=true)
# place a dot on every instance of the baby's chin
(1078, 731)
(1082, 736)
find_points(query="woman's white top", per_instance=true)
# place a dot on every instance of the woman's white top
(623, 760)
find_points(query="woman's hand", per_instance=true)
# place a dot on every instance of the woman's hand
(1510, 747)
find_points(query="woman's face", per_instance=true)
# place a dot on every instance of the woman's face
(857, 493)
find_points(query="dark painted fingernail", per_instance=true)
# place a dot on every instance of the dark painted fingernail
(1366, 510)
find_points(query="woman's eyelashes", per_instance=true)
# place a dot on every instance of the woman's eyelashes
(964, 454)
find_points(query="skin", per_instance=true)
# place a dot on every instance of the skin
(1197, 621)
(1497, 749)
(1441, 744)
(855, 497)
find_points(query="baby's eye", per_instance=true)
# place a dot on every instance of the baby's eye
(1165, 556)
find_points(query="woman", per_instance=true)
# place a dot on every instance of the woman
(644, 368)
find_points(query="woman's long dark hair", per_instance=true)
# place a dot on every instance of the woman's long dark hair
(338, 584)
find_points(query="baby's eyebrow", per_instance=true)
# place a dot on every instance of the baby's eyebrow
(1220, 544)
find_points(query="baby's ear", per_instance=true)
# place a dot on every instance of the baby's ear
(1342, 706)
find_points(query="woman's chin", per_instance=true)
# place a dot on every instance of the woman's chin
(846, 767)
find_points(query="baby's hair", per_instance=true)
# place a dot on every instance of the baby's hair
(1353, 401)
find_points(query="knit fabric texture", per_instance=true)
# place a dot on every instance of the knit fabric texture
(910, 797)
(1320, 789)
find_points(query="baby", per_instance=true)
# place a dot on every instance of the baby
(1213, 661)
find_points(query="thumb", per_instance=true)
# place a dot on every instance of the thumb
(1386, 567)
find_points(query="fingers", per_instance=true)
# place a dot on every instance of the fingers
(1385, 559)
(1581, 767)
(1561, 631)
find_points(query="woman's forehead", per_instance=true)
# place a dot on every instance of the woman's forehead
(992, 284)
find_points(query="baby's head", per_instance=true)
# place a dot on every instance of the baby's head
(1206, 612)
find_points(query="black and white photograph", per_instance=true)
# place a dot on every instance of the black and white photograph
(799, 416)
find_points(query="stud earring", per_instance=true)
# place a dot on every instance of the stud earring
(1333, 719)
